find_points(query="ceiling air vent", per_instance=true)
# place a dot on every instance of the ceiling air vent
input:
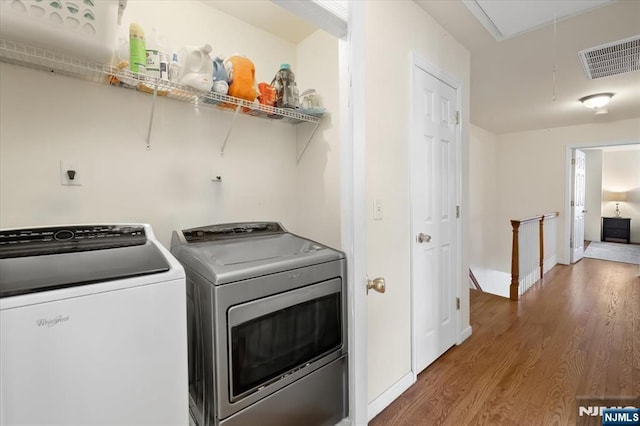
(610, 59)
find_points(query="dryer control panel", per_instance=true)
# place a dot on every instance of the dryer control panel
(68, 239)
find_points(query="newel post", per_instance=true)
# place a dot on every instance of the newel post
(542, 246)
(515, 262)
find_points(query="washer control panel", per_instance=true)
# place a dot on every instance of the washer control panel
(68, 239)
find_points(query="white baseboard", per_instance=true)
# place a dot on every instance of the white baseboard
(549, 263)
(465, 334)
(387, 397)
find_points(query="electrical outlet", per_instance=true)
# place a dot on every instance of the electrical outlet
(70, 173)
(378, 209)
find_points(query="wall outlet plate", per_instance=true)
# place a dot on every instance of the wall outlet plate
(70, 173)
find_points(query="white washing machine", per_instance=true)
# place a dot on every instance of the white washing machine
(92, 327)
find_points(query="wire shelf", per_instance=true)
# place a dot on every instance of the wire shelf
(42, 59)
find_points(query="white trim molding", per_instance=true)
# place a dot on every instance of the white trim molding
(565, 256)
(353, 210)
(465, 333)
(387, 397)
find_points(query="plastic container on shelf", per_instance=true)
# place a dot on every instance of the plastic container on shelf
(175, 67)
(241, 75)
(286, 89)
(267, 94)
(85, 29)
(157, 61)
(309, 99)
(197, 67)
(137, 49)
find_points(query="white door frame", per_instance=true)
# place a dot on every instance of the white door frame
(418, 61)
(353, 199)
(568, 233)
(353, 184)
(572, 212)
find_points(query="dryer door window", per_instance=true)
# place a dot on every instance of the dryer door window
(300, 327)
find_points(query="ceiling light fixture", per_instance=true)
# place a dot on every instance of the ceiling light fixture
(596, 101)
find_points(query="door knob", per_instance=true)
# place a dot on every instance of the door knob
(423, 238)
(376, 284)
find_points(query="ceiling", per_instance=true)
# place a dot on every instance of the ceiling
(512, 83)
(267, 16)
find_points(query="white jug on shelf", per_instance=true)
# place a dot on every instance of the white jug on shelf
(197, 67)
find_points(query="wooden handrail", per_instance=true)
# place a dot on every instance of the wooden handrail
(527, 219)
(515, 255)
(535, 218)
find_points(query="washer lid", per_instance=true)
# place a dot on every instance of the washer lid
(35, 260)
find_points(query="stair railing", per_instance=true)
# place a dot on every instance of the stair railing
(533, 251)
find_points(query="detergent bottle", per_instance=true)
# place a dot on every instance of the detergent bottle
(197, 67)
(137, 49)
(220, 83)
(241, 75)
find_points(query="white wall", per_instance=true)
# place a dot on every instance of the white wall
(103, 129)
(318, 174)
(46, 118)
(593, 194)
(486, 256)
(393, 29)
(532, 170)
(483, 199)
(621, 173)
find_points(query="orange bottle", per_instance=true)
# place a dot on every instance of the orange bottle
(241, 74)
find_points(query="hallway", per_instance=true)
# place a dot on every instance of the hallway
(577, 333)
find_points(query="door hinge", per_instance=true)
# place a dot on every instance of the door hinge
(457, 303)
(573, 161)
(572, 204)
(457, 212)
(457, 117)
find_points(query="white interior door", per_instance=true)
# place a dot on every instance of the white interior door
(433, 216)
(577, 205)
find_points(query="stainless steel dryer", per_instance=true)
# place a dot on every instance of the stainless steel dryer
(267, 326)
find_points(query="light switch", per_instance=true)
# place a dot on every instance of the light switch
(378, 210)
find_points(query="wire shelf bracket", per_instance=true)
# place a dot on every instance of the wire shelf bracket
(306, 145)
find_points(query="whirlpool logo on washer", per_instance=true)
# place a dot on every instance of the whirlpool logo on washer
(51, 322)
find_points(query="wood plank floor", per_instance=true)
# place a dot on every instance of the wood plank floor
(576, 333)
